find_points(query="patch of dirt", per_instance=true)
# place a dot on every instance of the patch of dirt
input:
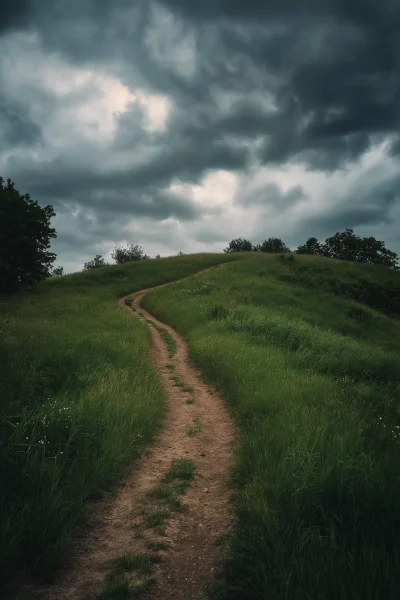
(188, 564)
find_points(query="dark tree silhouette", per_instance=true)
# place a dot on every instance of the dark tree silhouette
(239, 245)
(25, 235)
(272, 245)
(311, 246)
(57, 271)
(348, 246)
(95, 263)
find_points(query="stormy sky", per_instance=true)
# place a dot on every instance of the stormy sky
(181, 125)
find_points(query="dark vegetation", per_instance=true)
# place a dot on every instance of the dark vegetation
(342, 246)
(25, 236)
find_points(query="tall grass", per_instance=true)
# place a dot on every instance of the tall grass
(313, 384)
(79, 401)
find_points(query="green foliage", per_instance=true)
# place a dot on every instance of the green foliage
(95, 263)
(274, 245)
(312, 382)
(239, 245)
(312, 246)
(131, 253)
(119, 587)
(25, 235)
(348, 246)
(79, 401)
(57, 271)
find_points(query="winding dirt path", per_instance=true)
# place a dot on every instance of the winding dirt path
(192, 555)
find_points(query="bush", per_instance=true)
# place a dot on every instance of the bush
(239, 245)
(98, 261)
(129, 254)
(274, 245)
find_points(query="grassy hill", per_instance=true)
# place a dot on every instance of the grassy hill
(312, 379)
(79, 401)
(311, 376)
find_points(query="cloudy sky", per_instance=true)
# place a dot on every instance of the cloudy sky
(180, 125)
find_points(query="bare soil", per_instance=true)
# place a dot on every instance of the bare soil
(192, 556)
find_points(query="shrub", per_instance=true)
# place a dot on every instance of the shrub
(129, 254)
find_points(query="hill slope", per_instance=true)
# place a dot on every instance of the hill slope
(79, 401)
(312, 380)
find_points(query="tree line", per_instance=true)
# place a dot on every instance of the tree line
(26, 234)
(342, 246)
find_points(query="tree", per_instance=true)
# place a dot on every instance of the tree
(180, 253)
(25, 235)
(95, 263)
(275, 245)
(158, 256)
(57, 271)
(374, 252)
(312, 246)
(343, 246)
(239, 245)
(346, 245)
(129, 254)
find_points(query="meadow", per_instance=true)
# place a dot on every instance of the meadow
(306, 352)
(79, 402)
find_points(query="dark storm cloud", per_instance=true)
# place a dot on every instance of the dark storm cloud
(313, 82)
(15, 14)
(273, 196)
(337, 67)
(395, 146)
(16, 126)
(333, 68)
(110, 195)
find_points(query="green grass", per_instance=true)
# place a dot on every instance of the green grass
(177, 381)
(187, 388)
(166, 496)
(153, 517)
(180, 474)
(181, 468)
(196, 428)
(79, 402)
(312, 380)
(167, 337)
(137, 561)
(120, 587)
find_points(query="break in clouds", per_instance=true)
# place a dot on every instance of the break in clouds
(181, 125)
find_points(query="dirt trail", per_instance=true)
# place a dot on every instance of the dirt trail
(192, 555)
